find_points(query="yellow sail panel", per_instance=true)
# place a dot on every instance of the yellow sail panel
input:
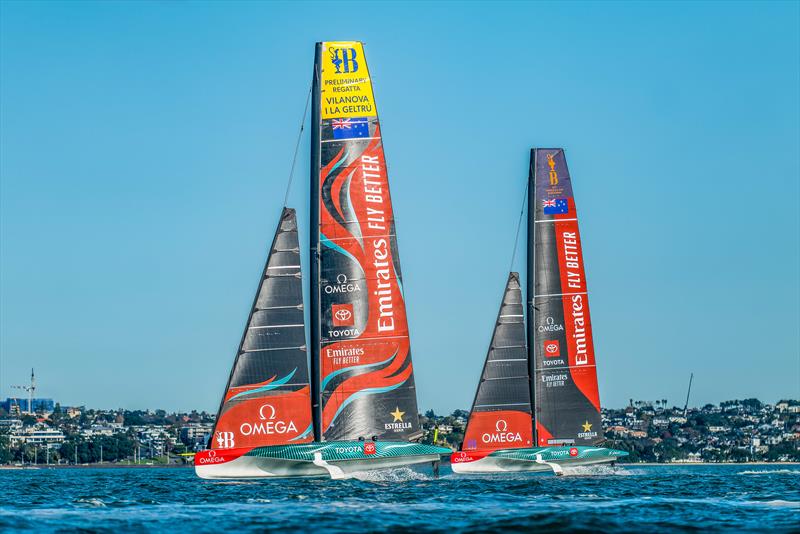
(346, 86)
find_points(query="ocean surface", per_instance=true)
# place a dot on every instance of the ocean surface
(622, 499)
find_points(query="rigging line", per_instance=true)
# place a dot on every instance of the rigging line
(519, 225)
(297, 145)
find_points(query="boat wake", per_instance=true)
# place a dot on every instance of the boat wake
(401, 474)
(598, 470)
(89, 501)
(770, 472)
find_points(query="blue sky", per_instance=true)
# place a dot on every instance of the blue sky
(145, 147)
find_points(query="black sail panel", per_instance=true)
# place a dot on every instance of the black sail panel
(363, 373)
(566, 399)
(501, 412)
(267, 399)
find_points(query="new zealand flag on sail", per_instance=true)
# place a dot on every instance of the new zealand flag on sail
(350, 128)
(555, 206)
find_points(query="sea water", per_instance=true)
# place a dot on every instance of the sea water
(630, 498)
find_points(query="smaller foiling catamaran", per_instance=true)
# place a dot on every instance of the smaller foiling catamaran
(537, 406)
(356, 409)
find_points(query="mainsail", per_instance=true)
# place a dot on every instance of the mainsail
(501, 412)
(565, 396)
(267, 400)
(361, 362)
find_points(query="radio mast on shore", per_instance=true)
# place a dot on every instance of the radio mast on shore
(688, 392)
(31, 390)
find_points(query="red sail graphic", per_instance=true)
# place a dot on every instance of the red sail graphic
(502, 429)
(365, 377)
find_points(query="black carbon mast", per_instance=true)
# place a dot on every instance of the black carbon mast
(313, 285)
(530, 285)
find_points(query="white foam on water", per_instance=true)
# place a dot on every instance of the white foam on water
(599, 470)
(777, 503)
(97, 503)
(769, 472)
(401, 474)
(258, 501)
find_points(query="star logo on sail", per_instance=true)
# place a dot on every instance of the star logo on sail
(352, 128)
(587, 431)
(397, 414)
(397, 424)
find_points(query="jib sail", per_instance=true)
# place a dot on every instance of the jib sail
(501, 413)
(361, 360)
(267, 400)
(565, 396)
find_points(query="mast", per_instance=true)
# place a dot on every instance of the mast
(688, 392)
(313, 284)
(530, 285)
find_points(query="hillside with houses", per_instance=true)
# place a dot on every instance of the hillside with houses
(733, 431)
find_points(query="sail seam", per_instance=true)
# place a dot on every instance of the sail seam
(346, 140)
(277, 348)
(559, 295)
(507, 404)
(276, 326)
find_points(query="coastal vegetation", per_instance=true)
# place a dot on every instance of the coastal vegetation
(733, 431)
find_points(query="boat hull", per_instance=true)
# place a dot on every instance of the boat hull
(528, 460)
(334, 459)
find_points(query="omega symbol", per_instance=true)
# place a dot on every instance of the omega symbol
(261, 411)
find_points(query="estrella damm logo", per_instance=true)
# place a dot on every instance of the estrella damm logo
(344, 59)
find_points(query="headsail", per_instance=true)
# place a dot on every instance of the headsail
(267, 400)
(565, 395)
(361, 358)
(501, 413)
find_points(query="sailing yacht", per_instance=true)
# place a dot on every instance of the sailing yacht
(350, 404)
(537, 405)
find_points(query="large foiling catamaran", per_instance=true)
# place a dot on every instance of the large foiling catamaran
(537, 405)
(357, 408)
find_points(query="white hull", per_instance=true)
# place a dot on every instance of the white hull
(504, 465)
(249, 467)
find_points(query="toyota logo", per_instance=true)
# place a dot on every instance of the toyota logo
(501, 425)
(551, 348)
(343, 315)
